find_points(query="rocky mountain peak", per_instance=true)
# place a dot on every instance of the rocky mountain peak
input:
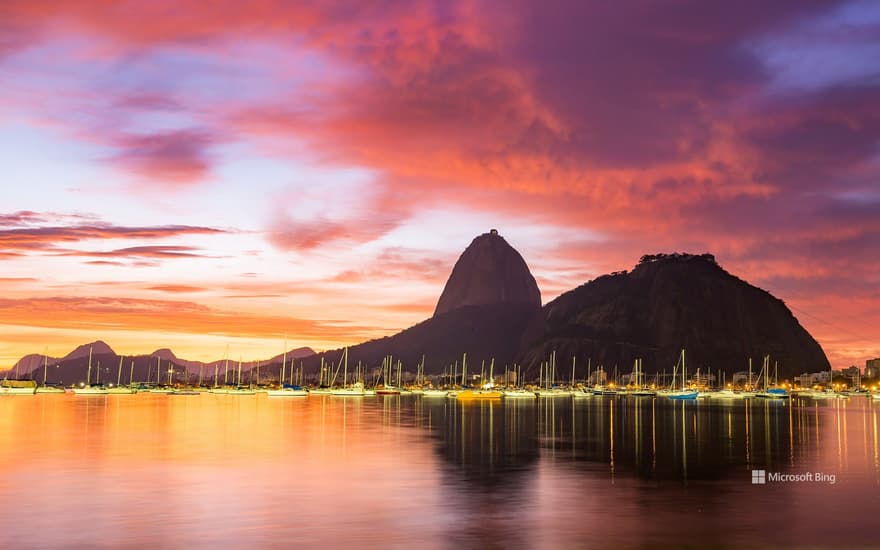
(489, 271)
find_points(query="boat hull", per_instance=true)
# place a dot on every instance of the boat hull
(478, 394)
(50, 389)
(551, 394)
(17, 391)
(287, 393)
(519, 394)
(683, 395)
(91, 391)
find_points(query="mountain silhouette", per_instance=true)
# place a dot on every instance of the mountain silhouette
(489, 271)
(667, 303)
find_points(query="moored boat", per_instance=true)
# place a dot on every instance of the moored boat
(18, 387)
(519, 393)
(50, 389)
(355, 390)
(475, 393)
(581, 393)
(88, 388)
(682, 393)
(727, 394)
(288, 391)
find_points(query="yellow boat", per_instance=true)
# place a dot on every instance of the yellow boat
(479, 394)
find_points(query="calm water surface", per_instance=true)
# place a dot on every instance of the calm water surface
(153, 470)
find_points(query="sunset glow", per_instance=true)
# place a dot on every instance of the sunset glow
(260, 172)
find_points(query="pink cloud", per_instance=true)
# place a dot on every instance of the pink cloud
(656, 126)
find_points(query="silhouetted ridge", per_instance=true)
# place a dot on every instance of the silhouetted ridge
(669, 302)
(98, 347)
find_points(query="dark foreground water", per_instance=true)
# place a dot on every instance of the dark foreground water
(160, 471)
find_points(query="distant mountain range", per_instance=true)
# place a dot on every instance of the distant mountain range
(73, 367)
(490, 308)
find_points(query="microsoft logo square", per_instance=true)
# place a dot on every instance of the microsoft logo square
(759, 477)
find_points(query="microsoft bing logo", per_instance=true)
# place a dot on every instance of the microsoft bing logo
(759, 477)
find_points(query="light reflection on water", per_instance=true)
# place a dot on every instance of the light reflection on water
(244, 471)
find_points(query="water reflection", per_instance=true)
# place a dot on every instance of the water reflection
(155, 470)
(651, 438)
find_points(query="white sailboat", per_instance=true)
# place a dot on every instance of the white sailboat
(18, 387)
(45, 388)
(641, 389)
(119, 389)
(357, 389)
(88, 388)
(549, 378)
(518, 392)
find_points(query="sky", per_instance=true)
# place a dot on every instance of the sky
(266, 174)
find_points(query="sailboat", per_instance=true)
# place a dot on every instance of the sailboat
(17, 386)
(684, 393)
(88, 388)
(388, 388)
(45, 388)
(518, 392)
(287, 390)
(641, 389)
(485, 391)
(119, 389)
(239, 389)
(768, 392)
(549, 380)
(323, 388)
(829, 392)
(356, 389)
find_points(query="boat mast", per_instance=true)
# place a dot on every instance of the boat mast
(226, 368)
(750, 374)
(766, 371)
(283, 366)
(45, 363)
(119, 373)
(463, 369)
(89, 371)
(131, 373)
(683, 371)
